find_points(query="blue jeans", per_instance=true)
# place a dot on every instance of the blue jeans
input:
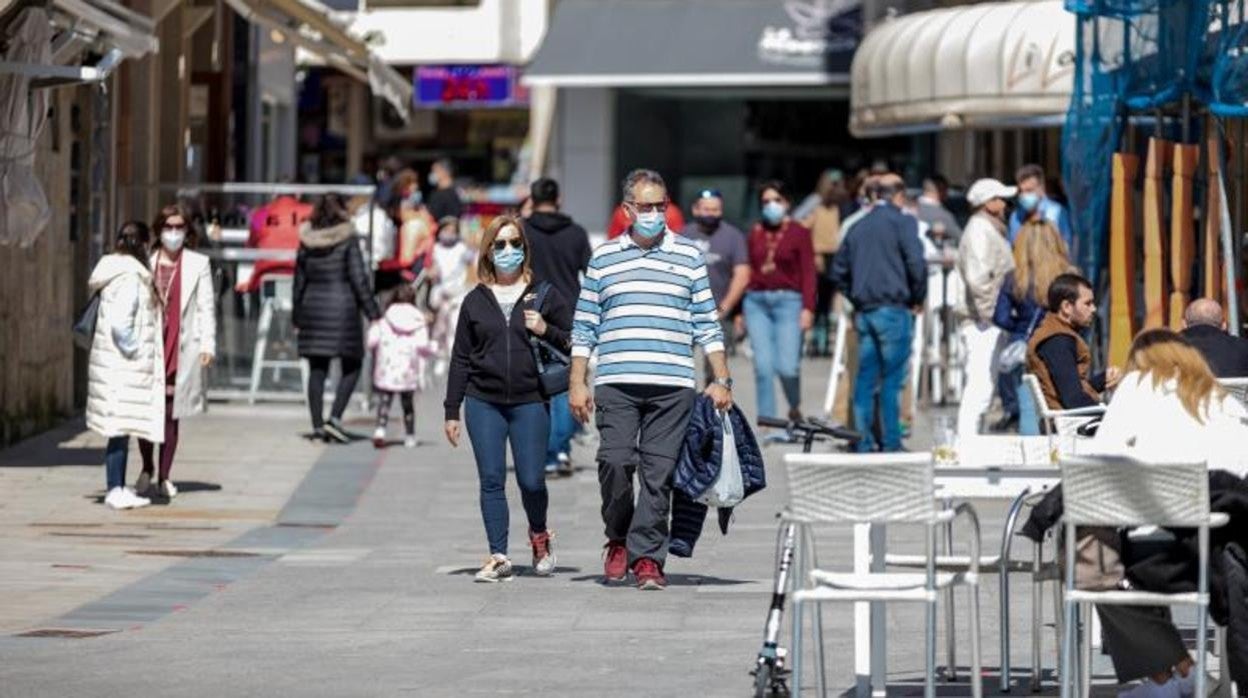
(1028, 415)
(884, 336)
(115, 454)
(562, 427)
(490, 428)
(1007, 389)
(773, 319)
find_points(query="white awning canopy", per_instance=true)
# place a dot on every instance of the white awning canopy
(989, 65)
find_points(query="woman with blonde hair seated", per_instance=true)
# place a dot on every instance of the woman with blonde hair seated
(1168, 408)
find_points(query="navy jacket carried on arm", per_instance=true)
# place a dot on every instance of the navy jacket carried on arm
(697, 468)
(880, 262)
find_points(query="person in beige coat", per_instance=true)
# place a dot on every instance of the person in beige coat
(183, 280)
(984, 258)
(126, 379)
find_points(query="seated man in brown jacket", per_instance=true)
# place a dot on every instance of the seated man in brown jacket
(1058, 356)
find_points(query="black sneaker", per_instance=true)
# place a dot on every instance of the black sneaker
(335, 432)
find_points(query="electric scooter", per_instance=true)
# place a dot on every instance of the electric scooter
(771, 672)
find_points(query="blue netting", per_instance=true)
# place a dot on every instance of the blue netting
(1137, 56)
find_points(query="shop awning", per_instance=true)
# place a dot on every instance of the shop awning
(113, 31)
(990, 65)
(624, 43)
(307, 25)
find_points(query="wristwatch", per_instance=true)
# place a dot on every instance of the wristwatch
(723, 382)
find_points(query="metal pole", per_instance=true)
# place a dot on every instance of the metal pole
(1186, 117)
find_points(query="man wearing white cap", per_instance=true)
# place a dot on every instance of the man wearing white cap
(984, 258)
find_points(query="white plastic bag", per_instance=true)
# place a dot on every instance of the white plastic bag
(728, 489)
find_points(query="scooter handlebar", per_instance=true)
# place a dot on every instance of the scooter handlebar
(811, 426)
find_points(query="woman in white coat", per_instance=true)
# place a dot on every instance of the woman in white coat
(183, 280)
(1168, 408)
(126, 379)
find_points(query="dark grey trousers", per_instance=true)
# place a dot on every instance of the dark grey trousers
(640, 429)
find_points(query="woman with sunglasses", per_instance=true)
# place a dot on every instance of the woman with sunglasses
(494, 376)
(780, 303)
(183, 281)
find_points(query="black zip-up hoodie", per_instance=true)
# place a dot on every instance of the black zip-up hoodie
(560, 251)
(491, 359)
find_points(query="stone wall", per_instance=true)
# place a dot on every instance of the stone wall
(39, 294)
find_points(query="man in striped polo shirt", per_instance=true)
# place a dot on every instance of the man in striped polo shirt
(645, 301)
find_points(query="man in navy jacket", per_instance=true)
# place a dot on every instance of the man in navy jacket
(880, 268)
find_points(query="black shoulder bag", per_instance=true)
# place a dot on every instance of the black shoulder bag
(553, 366)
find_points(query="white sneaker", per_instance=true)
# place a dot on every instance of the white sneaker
(497, 568)
(125, 498)
(411, 442)
(144, 484)
(379, 437)
(167, 489)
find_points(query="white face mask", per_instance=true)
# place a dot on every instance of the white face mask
(172, 239)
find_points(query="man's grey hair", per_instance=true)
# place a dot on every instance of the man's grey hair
(639, 176)
(1203, 311)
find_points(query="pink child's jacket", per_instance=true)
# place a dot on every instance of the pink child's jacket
(400, 342)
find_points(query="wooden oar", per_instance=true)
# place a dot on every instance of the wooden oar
(1122, 258)
(1211, 267)
(1154, 232)
(1182, 231)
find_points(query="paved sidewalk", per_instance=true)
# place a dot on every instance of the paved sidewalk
(345, 571)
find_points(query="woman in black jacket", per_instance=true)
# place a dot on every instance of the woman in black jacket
(331, 289)
(492, 364)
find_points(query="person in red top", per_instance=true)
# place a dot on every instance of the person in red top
(275, 226)
(780, 303)
(621, 222)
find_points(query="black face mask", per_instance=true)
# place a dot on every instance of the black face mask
(708, 223)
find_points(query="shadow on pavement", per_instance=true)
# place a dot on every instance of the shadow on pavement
(676, 580)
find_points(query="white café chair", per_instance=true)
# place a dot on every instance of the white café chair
(277, 293)
(1058, 422)
(884, 488)
(1237, 387)
(1002, 451)
(1121, 492)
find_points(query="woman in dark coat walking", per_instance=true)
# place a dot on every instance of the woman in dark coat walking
(331, 290)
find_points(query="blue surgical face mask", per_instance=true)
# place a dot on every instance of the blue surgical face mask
(650, 223)
(1028, 201)
(433, 178)
(508, 259)
(774, 212)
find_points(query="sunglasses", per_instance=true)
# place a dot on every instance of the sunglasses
(640, 207)
(516, 243)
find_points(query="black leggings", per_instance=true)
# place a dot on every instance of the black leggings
(384, 398)
(316, 387)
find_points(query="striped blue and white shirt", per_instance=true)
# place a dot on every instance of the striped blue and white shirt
(643, 310)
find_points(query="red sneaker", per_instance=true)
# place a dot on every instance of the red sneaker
(649, 575)
(615, 561)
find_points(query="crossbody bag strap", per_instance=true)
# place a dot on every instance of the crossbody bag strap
(535, 342)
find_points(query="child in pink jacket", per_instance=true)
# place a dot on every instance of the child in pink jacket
(400, 344)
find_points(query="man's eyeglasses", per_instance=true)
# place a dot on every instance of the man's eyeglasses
(648, 208)
(500, 245)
